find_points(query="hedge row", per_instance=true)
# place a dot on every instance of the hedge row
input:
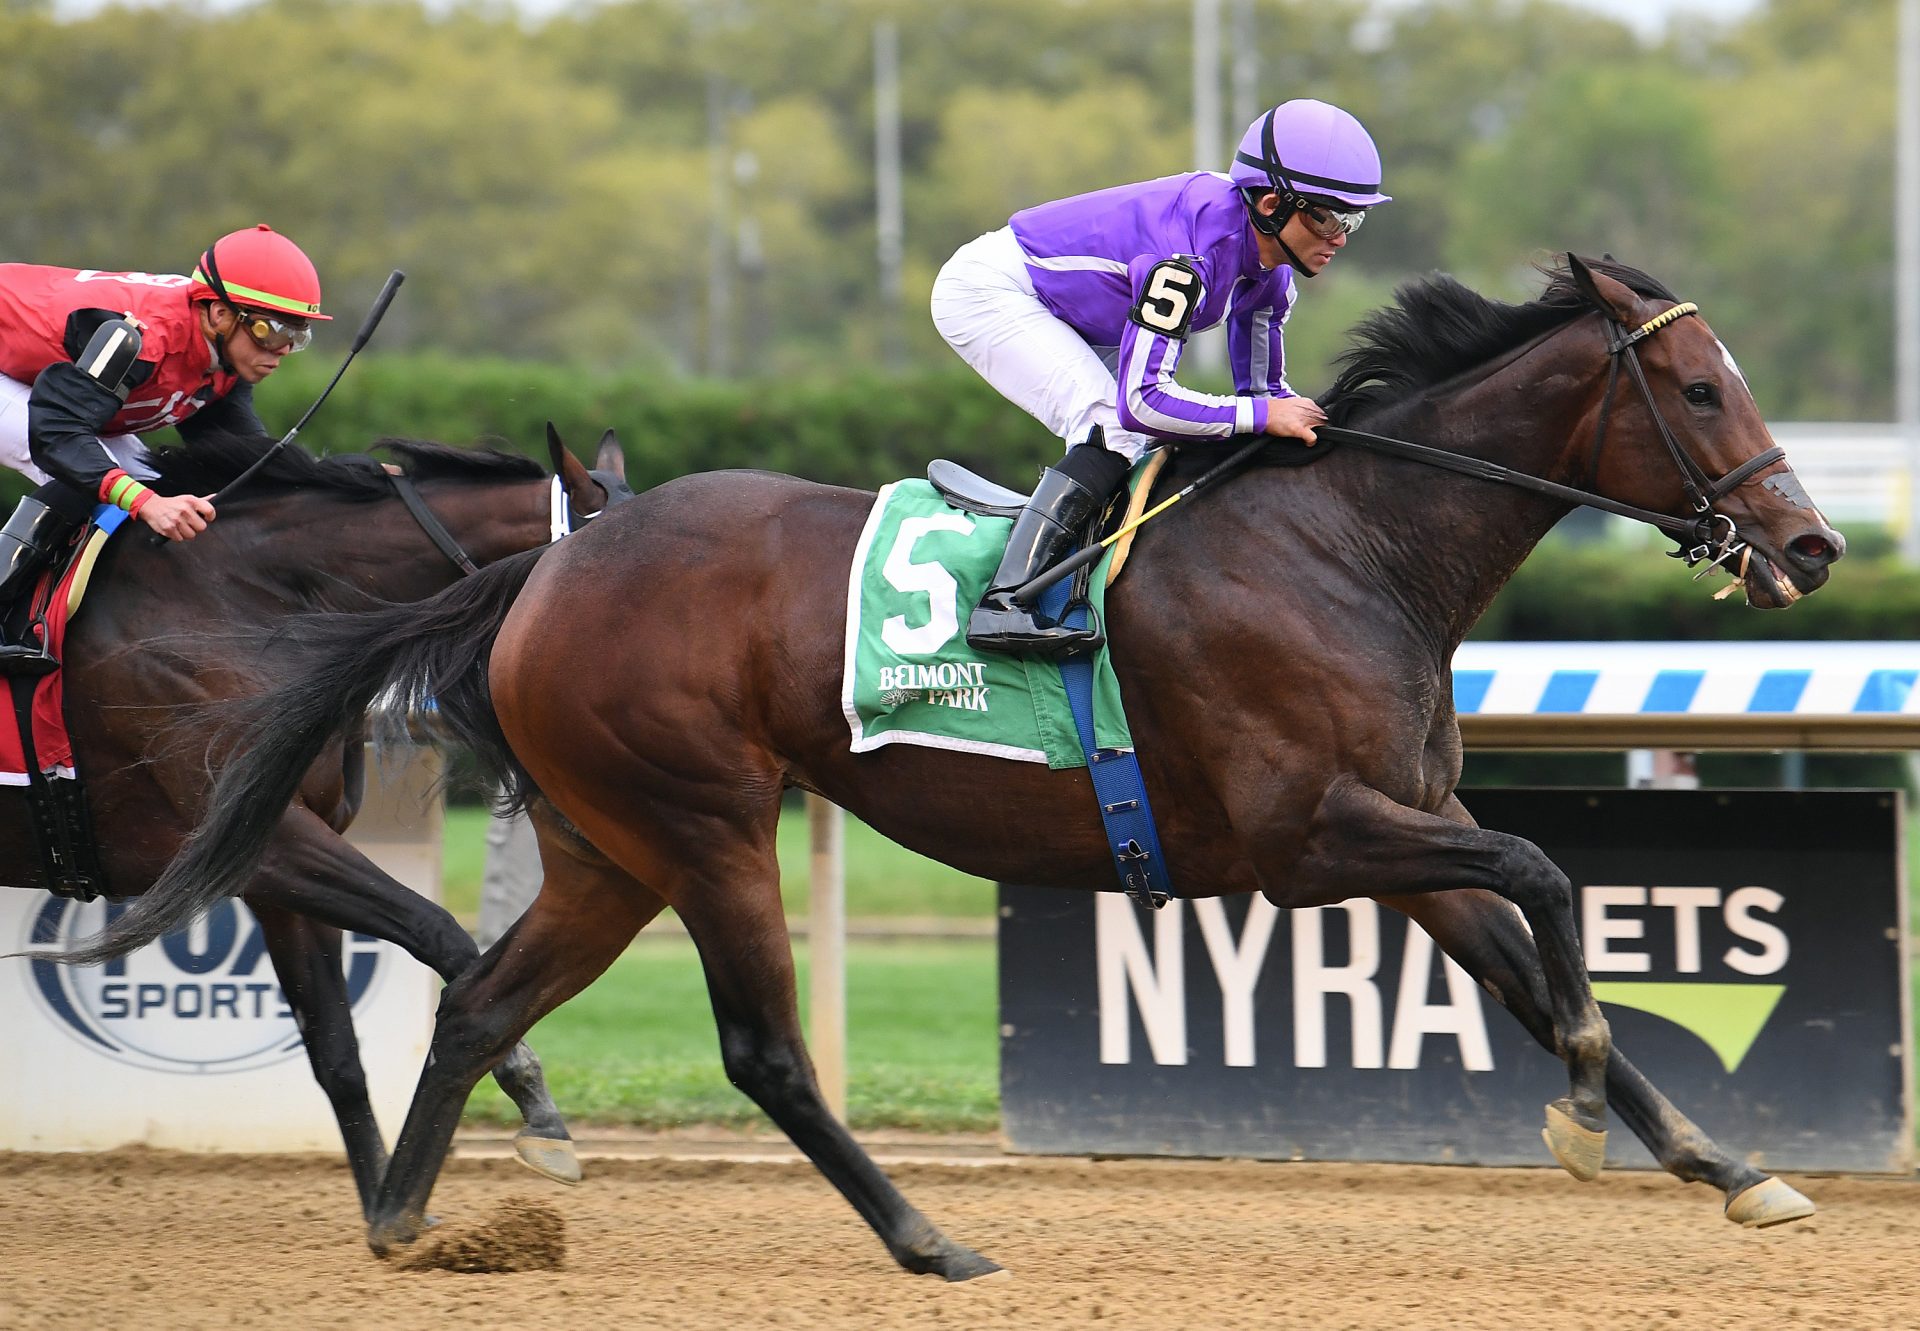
(869, 427)
(863, 429)
(1609, 592)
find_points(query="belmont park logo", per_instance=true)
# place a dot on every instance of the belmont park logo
(204, 999)
(1702, 958)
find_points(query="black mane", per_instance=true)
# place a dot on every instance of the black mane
(1437, 328)
(202, 465)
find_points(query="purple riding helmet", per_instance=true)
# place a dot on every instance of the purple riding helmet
(1317, 157)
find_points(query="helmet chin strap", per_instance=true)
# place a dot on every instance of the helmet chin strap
(219, 341)
(211, 267)
(1298, 265)
(1271, 227)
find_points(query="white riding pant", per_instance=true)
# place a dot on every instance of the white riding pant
(985, 306)
(125, 449)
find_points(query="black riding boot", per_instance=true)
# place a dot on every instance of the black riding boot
(27, 543)
(1043, 534)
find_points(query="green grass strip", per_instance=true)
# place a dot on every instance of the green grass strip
(638, 1047)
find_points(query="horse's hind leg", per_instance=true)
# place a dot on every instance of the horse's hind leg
(731, 906)
(1484, 934)
(587, 912)
(306, 958)
(314, 872)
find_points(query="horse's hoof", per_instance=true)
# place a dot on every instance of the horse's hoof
(549, 1157)
(1768, 1202)
(388, 1235)
(946, 1259)
(965, 1264)
(1582, 1152)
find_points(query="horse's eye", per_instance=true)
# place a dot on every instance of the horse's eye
(1702, 395)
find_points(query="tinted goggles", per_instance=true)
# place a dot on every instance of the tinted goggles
(275, 332)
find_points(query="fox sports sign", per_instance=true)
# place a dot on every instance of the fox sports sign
(202, 1000)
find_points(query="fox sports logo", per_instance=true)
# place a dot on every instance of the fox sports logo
(203, 999)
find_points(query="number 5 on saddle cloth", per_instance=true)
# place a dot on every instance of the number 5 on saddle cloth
(923, 561)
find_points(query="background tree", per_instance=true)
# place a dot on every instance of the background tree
(549, 185)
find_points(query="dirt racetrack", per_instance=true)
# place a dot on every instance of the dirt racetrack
(157, 1240)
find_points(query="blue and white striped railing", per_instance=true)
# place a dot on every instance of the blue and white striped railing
(1764, 694)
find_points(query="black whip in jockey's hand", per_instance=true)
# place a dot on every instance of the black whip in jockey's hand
(367, 325)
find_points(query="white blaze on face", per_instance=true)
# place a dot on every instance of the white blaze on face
(1732, 364)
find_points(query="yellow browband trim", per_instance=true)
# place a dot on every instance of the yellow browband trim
(1659, 321)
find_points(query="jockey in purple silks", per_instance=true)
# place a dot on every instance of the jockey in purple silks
(1078, 310)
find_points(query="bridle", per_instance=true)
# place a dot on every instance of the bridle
(1701, 490)
(562, 516)
(1708, 535)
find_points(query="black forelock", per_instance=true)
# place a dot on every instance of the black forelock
(1436, 329)
(205, 463)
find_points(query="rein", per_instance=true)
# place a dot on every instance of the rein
(436, 530)
(560, 515)
(1708, 535)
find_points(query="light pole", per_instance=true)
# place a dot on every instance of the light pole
(1208, 349)
(889, 222)
(1906, 270)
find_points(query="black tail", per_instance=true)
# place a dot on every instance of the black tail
(431, 654)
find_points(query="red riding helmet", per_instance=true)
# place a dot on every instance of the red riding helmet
(260, 269)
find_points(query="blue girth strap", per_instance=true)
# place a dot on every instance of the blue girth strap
(1131, 834)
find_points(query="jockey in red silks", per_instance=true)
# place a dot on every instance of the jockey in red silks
(91, 360)
(1078, 310)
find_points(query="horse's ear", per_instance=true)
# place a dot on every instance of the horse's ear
(556, 451)
(1613, 299)
(611, 456)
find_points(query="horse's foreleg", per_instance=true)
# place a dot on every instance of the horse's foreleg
(1485, 935)
(734, 913)
(585, 915)
(313, 872)
(1364, 844)
(306, 958)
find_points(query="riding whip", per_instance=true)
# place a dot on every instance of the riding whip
(367, 325)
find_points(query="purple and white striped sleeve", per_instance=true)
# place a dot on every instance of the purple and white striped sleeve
(1256, 348)
(1151, 402)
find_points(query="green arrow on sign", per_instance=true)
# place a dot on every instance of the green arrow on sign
(1726, 1017)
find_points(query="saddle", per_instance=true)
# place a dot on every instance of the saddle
(973, 493)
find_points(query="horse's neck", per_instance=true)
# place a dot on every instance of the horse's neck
(1439, 544)
(378, 548)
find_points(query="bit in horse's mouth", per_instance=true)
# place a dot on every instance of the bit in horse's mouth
(1768, 583)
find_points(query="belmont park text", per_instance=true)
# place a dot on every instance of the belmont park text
(961, 684)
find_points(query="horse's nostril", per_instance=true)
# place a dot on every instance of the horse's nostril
(1812, 549)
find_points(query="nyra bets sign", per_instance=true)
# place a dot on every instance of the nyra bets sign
(1745, 947)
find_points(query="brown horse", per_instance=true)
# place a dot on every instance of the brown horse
(1284, 650)
(166, 632)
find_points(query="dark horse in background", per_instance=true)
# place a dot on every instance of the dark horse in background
(167, 632)
(1285, 653)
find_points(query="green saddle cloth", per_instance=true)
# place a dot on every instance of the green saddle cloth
(909, 676)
